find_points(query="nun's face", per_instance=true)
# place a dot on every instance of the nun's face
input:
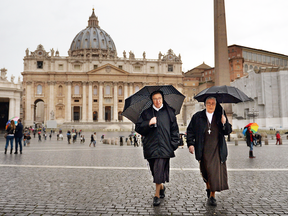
(210, 105)
(157, 100)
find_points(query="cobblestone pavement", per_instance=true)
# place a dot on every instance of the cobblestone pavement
(54, 178)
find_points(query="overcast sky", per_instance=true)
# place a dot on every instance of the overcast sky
(185, 26)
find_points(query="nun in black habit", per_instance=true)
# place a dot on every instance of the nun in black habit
(205, 136)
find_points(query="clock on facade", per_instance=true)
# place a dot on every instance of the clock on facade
(40, 53)
(170, 57)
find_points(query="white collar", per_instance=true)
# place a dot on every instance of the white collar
(157, 109)
(209, 116)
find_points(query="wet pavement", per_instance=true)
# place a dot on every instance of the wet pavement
(54, 178)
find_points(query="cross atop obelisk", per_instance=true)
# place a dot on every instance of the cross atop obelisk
(222, 75)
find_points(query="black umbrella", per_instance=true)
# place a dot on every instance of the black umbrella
(140, 101)
(223, 94)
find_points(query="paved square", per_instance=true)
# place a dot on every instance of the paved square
(54, 178)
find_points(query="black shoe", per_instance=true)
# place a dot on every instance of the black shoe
(15, 152)
(162, 192)
(20, 152)
(156, 201)
(208, 193)
(212, 201)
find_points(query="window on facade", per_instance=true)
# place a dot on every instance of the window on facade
(209, 72)
(76, 90)
(281, 62)
(152, 69)
(76, 67)
(95, 101)
(39, 64)
(95, 116)
(95, 66)
(120, 101)
(249, 56)
(120, 117)
(120, 67)
(277, 61)
(285, 62)
(264, 59)
(136, 88)
(39, 89)
(170, 68)
(244, 54)
(268, 59)
(60, 67)
(251, 67)
(95, 90)
(238, 75)
(120, 90)
(254, 57)
(272, 60)
(206, 73)
(60, 90)
(137, 68)
(255, 68)
(76, 100)
(107, 90)
(259, 58)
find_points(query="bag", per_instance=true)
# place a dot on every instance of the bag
(5, 135)
(28, 137)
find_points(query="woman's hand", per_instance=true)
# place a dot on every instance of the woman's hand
(223, 119)
(191, 149)
(152, 121)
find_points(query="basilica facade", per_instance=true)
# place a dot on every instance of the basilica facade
(91, 83)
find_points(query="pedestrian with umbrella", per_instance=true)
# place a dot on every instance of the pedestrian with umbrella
(156, 121)
(249, 131)
(205, 137)
(11, 127)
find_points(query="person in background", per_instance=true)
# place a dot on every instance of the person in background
(10, 136)
(249, 141)
(278, 138)
(18, 137)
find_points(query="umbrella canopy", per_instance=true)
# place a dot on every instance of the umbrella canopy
(140, 101)
(15, 119)
(223, 94)
(254, 127)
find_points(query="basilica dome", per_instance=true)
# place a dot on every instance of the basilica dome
(93, 41)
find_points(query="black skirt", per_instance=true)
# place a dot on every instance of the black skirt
(160, 169)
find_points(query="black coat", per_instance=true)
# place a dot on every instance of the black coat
(160, 141)
(19, 130)
(196, 132)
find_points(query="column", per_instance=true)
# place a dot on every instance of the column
(125, 96)
(51, 98)
(11, 108)
(46, 113)
(17, 107)
(84, 109)
(28, 116)
(90, 104)
(100, 114)
(115, 102)
(130, 89)
(68, 105)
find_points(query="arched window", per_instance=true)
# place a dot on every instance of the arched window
(76, 90)
(120, 90)
(251, 67)
(60, 90)
(136, 88)
(39, 89)
(246, 68)
(95, 90)
(107, 90)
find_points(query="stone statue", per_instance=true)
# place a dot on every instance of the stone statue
(12, 78)
(57, 53)
(52, 52)
(144, 55)
(3, 73)
(19, 80)
(179, 57)
(160, 55)
(52, 115)
(124, 54)
(131, 55)
(27, 52)
(69, 52)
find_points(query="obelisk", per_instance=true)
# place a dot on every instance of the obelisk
(222, 75)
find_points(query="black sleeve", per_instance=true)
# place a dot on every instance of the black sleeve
(191, 132)
(142, 126)
(175, 139)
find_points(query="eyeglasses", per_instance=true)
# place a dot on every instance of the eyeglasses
(157, 99)
(210, 104)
